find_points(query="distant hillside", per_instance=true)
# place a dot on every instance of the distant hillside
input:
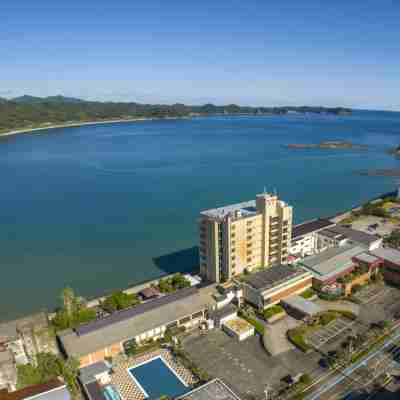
(26, 112)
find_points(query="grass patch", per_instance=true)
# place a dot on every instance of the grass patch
(258, 326)
(296, 336)
(327, 317)
(307, 294)
(271, 311)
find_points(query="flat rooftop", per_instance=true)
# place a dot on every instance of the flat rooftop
(333, 261)
(301, 304)
(273, 276)
(244, 209)
(367, 258)
(213, 390)
(363, 238)
(239, 325)
(129, 323)
(308, 227)
(389, 254)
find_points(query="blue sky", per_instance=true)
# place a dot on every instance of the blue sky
(248, 52)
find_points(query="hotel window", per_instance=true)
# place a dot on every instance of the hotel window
(249, 237)
(249, 222)
(248, 259)
(233, 243)
(249, 244)
(232, 234)
(249, 230)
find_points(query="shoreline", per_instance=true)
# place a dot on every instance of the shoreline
(93, 301)
(79, 124)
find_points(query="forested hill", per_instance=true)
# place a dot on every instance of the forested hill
(27, 112)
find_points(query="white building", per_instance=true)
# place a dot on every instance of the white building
(305, 238)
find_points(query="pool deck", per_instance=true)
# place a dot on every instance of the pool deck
(129, 390)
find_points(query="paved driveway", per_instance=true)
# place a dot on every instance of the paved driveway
(340, 305)
(275, 340)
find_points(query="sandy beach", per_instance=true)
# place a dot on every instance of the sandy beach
(78, 124)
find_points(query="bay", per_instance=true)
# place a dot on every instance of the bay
(106, 206)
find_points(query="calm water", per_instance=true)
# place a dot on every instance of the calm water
(102, 207)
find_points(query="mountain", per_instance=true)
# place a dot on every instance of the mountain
(62, 99)
(26, 99)
(26, 112)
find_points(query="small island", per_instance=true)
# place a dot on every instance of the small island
(395, 151)
(331, 144)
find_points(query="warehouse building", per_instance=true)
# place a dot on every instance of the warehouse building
(268, 287)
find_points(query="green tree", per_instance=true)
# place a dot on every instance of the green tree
(72, 313)
(119, 300)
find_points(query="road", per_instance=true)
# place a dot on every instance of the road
(331, 388)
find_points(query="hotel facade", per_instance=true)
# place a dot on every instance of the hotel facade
(244, 236)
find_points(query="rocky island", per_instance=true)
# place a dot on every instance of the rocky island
(331, 144)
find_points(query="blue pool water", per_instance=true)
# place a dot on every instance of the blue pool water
(157, 379)
(111, 393)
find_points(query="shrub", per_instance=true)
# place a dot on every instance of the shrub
(327, 317)
(307, 294)
(119, 300)
(271, 311)
(305, 379)
(296, 336)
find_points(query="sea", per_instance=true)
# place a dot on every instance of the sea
(103, 207)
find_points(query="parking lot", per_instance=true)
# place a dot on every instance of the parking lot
(371, 293)
(384, 228)
(328, 333)
(246, 366)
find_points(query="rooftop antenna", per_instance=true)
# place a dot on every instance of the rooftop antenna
(265, 190)
(275, 192)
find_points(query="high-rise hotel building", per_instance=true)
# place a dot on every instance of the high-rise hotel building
(243, 236)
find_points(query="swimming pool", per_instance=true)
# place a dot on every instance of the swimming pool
(155, 378)
(111, 393)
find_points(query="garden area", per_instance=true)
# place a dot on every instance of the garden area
(173, 283)
(49, 366)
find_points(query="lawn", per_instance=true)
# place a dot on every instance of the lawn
(274, 310)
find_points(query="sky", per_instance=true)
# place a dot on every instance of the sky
(265, 52)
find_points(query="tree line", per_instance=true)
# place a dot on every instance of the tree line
(27, 112)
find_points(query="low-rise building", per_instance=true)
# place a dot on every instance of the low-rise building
(391, 264)
(107, 337)
(93, 378)
(52, 390)
(238, 328)
(300, 307)
(304, 237)
(328, 266)
(340, 235)
(269, 286)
